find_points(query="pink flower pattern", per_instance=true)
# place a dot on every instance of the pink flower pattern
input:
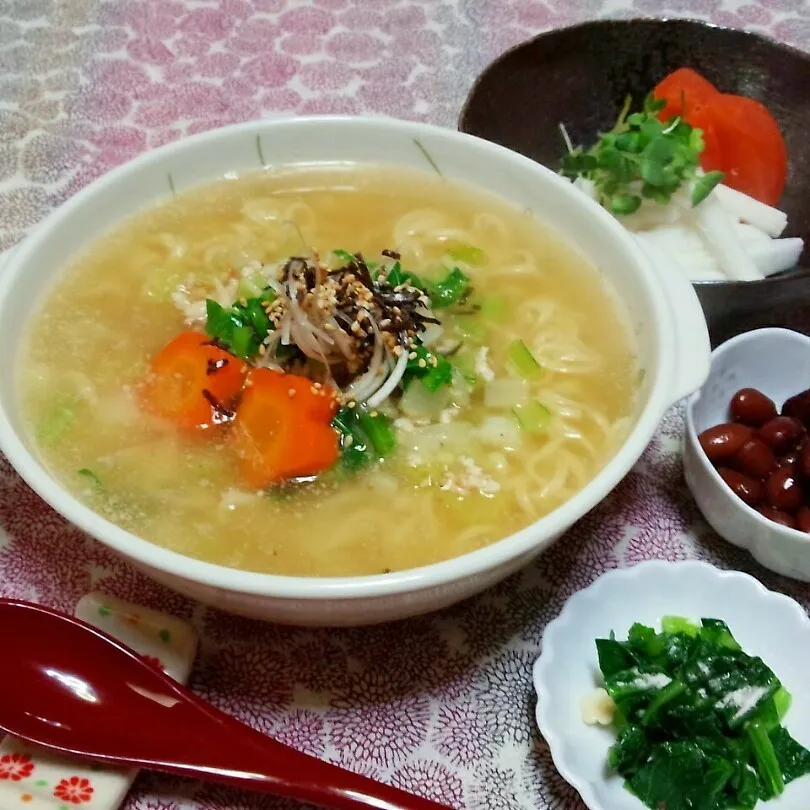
(426, 704)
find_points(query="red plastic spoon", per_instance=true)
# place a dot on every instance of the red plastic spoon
(69, 687)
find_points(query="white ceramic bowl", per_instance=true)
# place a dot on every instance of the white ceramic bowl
(777, 362)
(666, 316)
(766, 624)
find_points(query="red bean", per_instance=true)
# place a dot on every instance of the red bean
(782, 434)
(784, 491)
(803, 460)
(803, 519)
(743, 486)
(798, 407)
(724, 441)
(752, 407)
(791, 459)
(783, 518)
(755, 458)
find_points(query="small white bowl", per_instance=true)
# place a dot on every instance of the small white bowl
(777, 362)
(766, 624)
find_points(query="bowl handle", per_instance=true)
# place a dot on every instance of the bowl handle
(687, 326)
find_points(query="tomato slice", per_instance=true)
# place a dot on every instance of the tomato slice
(693, 97)
(741, 137)
(686, 93)
(754, 154)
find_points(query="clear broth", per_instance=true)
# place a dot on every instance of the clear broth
(91, 341)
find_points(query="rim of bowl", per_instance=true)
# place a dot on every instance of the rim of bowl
(602, 23)
(498, 552)
(745, 337)
(797, 272)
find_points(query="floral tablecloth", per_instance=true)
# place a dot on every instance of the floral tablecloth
(440, 705)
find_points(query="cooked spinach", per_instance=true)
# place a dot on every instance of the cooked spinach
(242, 327)
(698, 721)
(434, 370)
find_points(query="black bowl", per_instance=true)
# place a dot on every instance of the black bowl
(581, 75)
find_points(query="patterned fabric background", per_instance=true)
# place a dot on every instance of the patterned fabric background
(440, 705)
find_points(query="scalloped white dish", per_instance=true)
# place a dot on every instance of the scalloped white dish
(765, 623)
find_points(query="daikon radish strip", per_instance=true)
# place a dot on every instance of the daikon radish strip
(777, 255)
(668, 260)
(692, 259)
(717, 228)
(741, 206)
(751, 235)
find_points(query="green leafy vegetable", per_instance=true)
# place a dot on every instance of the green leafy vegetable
(354, 445)
(794, 759)
(698, 721)
(432, 369)
(704, 185)
(452, 288)
(680, 776)
(397, 276)
(677, 624)
(343, 255)
(242, 327)
(523, 360)
(365, 436)
(380, 431)
(642, 158)
(443, 293)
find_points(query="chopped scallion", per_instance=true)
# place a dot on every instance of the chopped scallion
(90, 476)
(59, 420)
(533, 417)
(251, 287)
(469, 254)
(493, 307)
(523, 360)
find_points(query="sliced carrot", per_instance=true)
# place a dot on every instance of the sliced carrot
(283, 428)
(193, 383)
